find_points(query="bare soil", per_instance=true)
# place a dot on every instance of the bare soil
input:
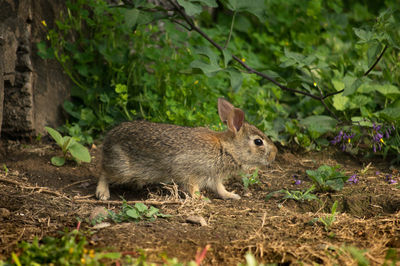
(39, 199)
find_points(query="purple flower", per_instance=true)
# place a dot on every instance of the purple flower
(296, 181)
(377, 173)
(392, 181)
(353, 179)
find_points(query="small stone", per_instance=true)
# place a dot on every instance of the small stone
(97, 212)
(4, 213)
(196, 219)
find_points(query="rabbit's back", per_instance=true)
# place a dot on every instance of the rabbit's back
(143, 152)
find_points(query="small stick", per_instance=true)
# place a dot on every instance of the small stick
(75, 183)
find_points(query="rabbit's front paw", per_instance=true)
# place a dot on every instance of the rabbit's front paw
(224, 194)
(102, 191)
(230, 195)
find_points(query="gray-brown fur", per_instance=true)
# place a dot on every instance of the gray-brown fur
(142, 152)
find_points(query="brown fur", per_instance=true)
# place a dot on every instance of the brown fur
(142, 152)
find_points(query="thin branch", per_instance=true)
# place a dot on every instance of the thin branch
(248, 68)
(230, 31)
(377, 61)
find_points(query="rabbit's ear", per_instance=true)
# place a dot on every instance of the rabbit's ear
(231, 116)
(235, 120)
(224, 109)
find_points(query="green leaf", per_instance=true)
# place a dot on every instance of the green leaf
(58, 161)
(55, 135)
(208, 69)
(67, 142)
(391, 114)
(340, 102)
(236, 78)
(338, 84)
(365, 36)
(133, 213)
(319, 123)
(141, 207)
(373, 52)
(210, 3)
(79, 152)
(351, 85)
(152, 211)
(387, 89)
(227, 57)
(190, 8)
(255, 7)
(131, 16)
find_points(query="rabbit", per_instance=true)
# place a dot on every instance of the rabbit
(142, 153)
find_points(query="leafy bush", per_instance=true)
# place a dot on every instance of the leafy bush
(132, 61)
(135, 213)
(327, 178)
(69, 249)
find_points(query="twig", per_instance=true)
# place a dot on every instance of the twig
(118, 202)
(75, 183)
(230, 31)
(376, 61)
(248, 68)
(10, 181)
(40, 189)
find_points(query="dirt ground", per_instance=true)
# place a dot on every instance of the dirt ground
(38, 199)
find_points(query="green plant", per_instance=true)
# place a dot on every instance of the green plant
(251, 261)
(250, 179)
(295, 194)
(327, 178)
(135, 213)
(5, 168)
(329, 219)
(357, 254)
(68, 145)
(69, 249)
(126, 65)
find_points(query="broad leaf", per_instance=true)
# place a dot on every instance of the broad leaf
(236, 78)
(319, 123)
(58, 161)
(55, 135)
(227, 57)
(190, 8)
(255, 7)
(208, 69)
(80, 152)
(141, 207)
(133, 213)
(340, 102)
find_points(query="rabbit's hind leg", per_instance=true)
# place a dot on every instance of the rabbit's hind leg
(102, 191)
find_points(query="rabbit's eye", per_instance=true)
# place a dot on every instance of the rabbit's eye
(258, 142)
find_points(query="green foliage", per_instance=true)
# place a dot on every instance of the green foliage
(69, 249)
(68, 145)
(135, 213)
(327, 178)
(357, 254)
(250, 179)
(329, 219)
(251, 261)
(296, 194)
(132, 62)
